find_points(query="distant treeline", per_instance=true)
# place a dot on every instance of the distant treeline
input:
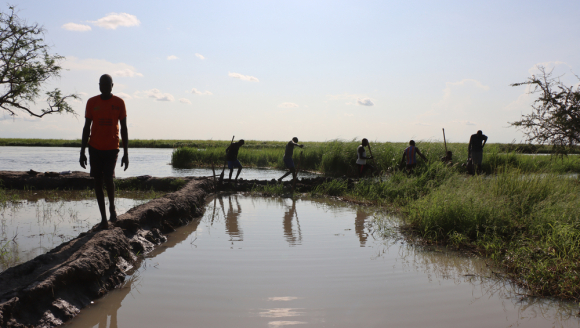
(250, 144)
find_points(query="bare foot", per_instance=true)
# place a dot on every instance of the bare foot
(104, 225)
(113, 213)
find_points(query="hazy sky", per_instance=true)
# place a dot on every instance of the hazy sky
(318, 70)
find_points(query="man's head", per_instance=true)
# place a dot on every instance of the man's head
(365, 142)
(106, 84)
(479, 132)
(412, 142)
(241, 142)
(295, 139)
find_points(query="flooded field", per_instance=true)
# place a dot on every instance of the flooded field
(143, 161)
(278, 262)
(40, 221)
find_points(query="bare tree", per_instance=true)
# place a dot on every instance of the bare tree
(555, 119)
(25, 65)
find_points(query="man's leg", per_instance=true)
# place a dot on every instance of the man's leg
(110, 184)
(290, 171)
(231, 171)
(239, 171)
(101, 200)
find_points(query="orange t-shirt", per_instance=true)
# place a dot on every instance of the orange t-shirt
(105, 115)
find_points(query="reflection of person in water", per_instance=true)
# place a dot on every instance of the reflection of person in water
(359, 226)
(232, 227)
(288, 231)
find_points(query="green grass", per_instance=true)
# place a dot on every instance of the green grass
(337, 157)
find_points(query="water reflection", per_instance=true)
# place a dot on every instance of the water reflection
(293, 236)
(232, 225)
(328, 281)
(359, 225)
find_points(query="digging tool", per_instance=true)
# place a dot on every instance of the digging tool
(226, 162)
(445, 141)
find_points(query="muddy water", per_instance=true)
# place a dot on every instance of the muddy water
(143, 161)
(41, 221)
(274, 262)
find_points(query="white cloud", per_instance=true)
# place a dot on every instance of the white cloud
(200, 56)
(422, 124)
(288, 105)
(101, 66)
(461, 97)
(155, 94)
(465, 83)
(76, 27)
(464, 122)
(123, 95)
(244, 77)
(365, 102)
(352, 99)
(114, 20)
(184, 101)
(197, 92)
(172, 57)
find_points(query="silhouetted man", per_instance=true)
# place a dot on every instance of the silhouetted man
(288, 161)
(101, 134)
(475, 149)
(232, 158)
(410, 156)
(361, 161)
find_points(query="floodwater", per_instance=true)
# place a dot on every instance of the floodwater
(142, 161)
(278, 262)
(40, 221)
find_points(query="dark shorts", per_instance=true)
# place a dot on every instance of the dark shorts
(289, 162)
(232, 164)
(411, 166)
(103, 162)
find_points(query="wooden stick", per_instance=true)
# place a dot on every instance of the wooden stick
(445, 141)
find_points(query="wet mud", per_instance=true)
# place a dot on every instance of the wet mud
(77, 180)
(52, 288)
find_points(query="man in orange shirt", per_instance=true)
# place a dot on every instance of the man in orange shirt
(102, 117)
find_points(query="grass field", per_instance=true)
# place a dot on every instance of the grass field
(337, 157)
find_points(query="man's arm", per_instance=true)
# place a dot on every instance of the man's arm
(360, 154)
(297, 145)
(125, 137)
(85, 141)
(404, 156)
(422, 156)
(484, 141)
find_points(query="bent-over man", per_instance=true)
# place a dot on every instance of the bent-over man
(232, 158)
(101, 134)
(288, 161)
(475, 149)
(410, 156)
(361, 161)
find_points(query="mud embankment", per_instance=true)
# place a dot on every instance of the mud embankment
(76, 180)
(53, 287)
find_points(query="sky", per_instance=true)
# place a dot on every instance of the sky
(316, 70)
